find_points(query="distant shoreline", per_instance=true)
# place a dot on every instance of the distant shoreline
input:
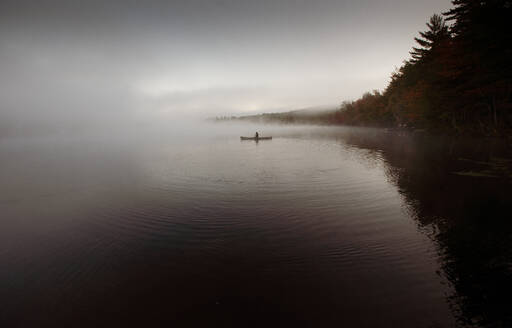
(327, 119)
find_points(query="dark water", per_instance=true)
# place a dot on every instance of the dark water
(318, 227)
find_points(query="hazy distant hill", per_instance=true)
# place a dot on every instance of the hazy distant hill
(309, 115)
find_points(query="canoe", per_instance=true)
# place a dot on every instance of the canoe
(256, 139)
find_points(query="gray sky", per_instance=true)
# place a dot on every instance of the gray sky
(78, 60)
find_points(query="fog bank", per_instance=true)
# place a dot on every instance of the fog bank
(71, 65)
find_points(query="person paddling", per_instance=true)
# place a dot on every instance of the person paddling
(257, 135)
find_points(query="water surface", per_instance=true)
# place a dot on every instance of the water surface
(317, 227)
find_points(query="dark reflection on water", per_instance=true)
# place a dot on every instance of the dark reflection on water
(459, 191)
(317, 227)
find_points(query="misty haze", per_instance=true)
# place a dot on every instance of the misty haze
(255, 163)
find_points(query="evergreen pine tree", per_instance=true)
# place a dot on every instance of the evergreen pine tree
(436, 34)
(483, 48)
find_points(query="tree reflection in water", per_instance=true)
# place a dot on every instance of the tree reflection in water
(459, 192)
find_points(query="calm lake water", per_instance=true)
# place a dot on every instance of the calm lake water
(318, 227)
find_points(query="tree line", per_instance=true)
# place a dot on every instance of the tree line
(458, 78)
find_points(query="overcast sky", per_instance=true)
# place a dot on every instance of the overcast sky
(70, 59)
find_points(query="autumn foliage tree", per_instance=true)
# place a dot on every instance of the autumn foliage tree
(459, 77)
